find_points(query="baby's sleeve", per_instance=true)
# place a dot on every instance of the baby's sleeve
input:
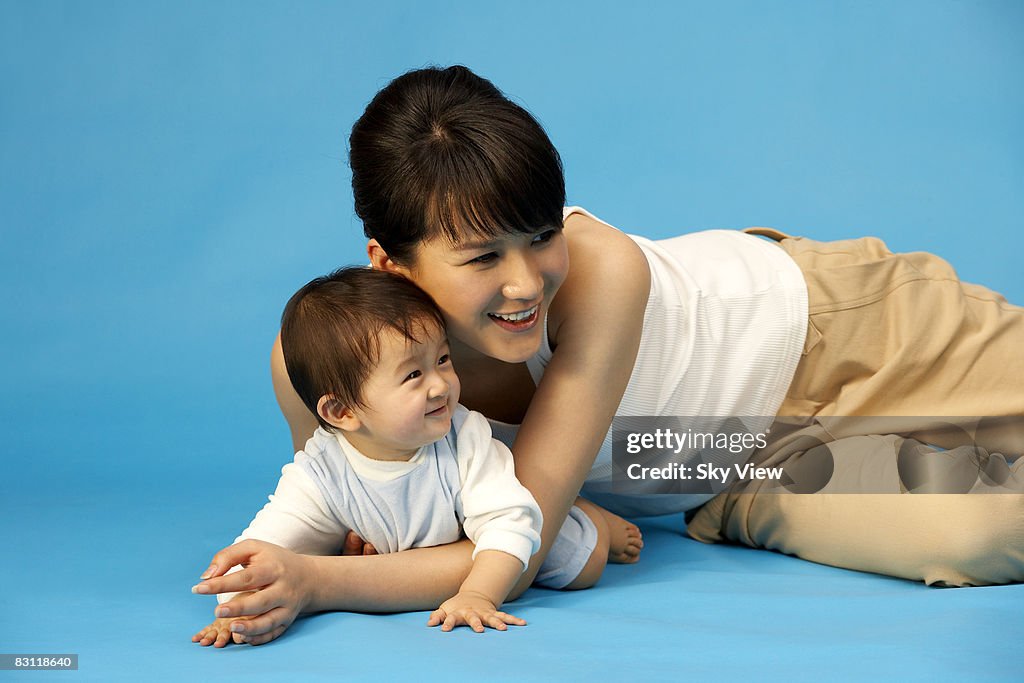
(500, 514)
(296, 517)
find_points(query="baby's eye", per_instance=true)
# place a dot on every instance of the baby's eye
(412, 375)
(443, 359)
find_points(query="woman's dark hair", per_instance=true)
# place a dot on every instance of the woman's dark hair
(330, 331)
(444, 152)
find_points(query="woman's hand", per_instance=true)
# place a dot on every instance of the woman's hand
(354, 545)
(281, 584)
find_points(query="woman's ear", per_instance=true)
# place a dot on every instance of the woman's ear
(336, 414)
(380, 260)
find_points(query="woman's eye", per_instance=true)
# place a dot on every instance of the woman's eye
(485, 258)
(443, 359)
(412, 375)
(543, 237)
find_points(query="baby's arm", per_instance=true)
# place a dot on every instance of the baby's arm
(297, 518)
(503, 521)
(476, 604)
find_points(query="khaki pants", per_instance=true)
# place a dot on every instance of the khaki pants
(897, 336)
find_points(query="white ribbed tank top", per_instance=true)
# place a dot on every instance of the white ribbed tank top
(722, 335)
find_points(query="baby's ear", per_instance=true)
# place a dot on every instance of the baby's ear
(336, 414)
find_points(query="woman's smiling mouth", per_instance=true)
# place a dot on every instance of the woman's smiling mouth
(518, 321)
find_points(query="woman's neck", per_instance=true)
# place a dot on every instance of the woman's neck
(465, 356)
(499, 390)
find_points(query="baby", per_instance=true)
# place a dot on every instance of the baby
(398, 461)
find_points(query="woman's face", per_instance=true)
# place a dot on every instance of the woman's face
(494, 293)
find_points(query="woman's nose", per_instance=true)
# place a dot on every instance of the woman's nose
(523, 279)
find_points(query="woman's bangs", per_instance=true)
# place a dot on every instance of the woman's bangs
(480, 203)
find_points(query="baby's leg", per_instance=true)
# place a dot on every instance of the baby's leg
(624, 540)
(618, 541)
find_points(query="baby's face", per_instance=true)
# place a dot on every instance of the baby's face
(410, 396)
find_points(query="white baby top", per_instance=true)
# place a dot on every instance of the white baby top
(464, 482)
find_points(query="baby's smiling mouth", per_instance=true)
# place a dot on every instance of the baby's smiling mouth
(437, 412)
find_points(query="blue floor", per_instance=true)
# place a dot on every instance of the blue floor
(117, 593)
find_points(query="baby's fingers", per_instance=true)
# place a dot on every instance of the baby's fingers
(475, 623)
(506, 618)
(437, 617)
(450, 622)
(496, 623)
(467, 617)
(212, 635)
(223, 638)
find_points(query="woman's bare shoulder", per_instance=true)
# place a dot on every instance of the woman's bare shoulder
(608, 275)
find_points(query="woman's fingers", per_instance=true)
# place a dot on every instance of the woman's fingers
(226, 558)
(266, 637)
(248, 605)
(248, 579)
(355, 545)
(264, 624)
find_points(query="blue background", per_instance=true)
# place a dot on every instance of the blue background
(171, 172)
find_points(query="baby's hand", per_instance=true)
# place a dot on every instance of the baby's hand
(473, 610)
(219, 633)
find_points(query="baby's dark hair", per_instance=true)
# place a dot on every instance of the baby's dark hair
(330, 330)
(442, 152)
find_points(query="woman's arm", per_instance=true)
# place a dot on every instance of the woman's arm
(285, 584)
(301, 422)
(595, 323)
(412, 580)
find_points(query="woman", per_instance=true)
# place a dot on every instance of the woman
(559, 322)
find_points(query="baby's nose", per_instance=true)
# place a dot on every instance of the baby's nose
(438, 387)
